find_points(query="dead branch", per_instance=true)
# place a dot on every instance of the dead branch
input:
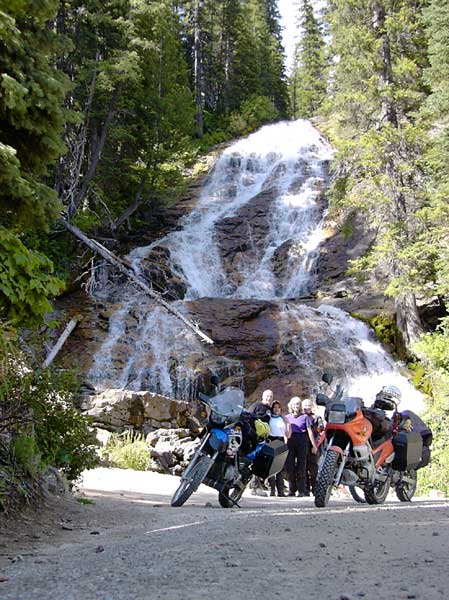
(126, 267)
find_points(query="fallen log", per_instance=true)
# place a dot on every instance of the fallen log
(125, 267)
(61, 341)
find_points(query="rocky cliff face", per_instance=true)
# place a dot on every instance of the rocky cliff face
(283, 343)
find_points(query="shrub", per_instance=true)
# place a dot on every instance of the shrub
(254, 112)
(433, 350)
(38, 415)
(127, 451)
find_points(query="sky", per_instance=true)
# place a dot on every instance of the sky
(289, 10)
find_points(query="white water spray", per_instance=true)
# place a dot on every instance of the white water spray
(287, 163)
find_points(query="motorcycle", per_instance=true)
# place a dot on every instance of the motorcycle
(365, 449)
(230, 452)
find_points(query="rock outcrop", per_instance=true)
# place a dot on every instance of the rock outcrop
(118, 410)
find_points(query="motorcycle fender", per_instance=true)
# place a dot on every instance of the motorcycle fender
(337, 449)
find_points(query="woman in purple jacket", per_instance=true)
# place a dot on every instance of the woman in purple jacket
(301, 441)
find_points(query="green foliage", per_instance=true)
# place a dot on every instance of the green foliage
(36, 408)
(384, 325)
(433, 350)
(308, 82)
(128, 451)
(26, 282)
(85, 501)
(253, 113)
(25, 451)
(31, 97)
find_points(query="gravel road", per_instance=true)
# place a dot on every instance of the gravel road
(130, 544)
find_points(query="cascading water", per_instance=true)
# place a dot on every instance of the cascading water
(290, 159)
(269, 188)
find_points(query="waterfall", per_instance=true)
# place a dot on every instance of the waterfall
(255, 233)
(289, 158)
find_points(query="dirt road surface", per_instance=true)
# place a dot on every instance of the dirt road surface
(131, 545)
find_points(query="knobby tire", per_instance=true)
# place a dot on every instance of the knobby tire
(190, 485)
(378, 493)
(406, 491)
(325, 481)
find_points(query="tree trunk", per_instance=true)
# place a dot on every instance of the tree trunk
(61, 341)
(198, 70)
(76, 203)
(408, 321)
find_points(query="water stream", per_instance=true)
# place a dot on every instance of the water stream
(284, 168)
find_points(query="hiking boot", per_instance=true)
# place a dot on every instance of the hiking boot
(281, 494)
(272, 493)
(291, 494)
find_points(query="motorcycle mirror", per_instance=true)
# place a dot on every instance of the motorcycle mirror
(321, 399)
(327, 378)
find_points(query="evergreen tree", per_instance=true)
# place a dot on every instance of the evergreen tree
(31, 113)
(31, 117)
(436, 114)
(133, 96)
(376, 90)
(308, 80)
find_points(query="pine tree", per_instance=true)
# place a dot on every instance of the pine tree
(31, 117)
(31, 114)
(376, 90)
(308, 80)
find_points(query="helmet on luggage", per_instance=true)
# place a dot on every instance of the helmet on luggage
(388, 398)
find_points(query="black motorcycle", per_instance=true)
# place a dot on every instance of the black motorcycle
(230, 452)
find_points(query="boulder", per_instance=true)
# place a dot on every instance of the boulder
(116, 410)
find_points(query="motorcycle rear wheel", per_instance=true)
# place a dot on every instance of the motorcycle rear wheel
(406, 491)
(355, 494)
(376, 494)
(190, 485)
(230, 496)
(325, 481)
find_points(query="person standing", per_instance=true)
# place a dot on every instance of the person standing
(260, 410)
(299, 446)
(312, 458)
(279, 430)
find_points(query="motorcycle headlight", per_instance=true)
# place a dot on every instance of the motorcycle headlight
(217, 418)
(336, 416)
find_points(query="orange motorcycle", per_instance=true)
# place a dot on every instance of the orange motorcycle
(364, 448)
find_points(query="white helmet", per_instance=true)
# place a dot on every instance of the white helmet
(388, 397)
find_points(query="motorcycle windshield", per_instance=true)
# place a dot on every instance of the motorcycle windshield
(352, 404)
(228, 403)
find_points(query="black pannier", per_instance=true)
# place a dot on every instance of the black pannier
(270, 459)
(419, 426)
(408, 450)
(425, 459)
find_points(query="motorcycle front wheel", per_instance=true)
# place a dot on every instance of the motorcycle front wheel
(192, 483)
(406, 490)
(377, 493)
(325, 481)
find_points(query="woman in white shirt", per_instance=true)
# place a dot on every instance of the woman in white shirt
(279, 430)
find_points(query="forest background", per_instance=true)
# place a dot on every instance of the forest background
(105, 106)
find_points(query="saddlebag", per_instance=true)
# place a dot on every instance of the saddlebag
(425, 458)
(270, 459)
(407, 450)
(419, 426)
